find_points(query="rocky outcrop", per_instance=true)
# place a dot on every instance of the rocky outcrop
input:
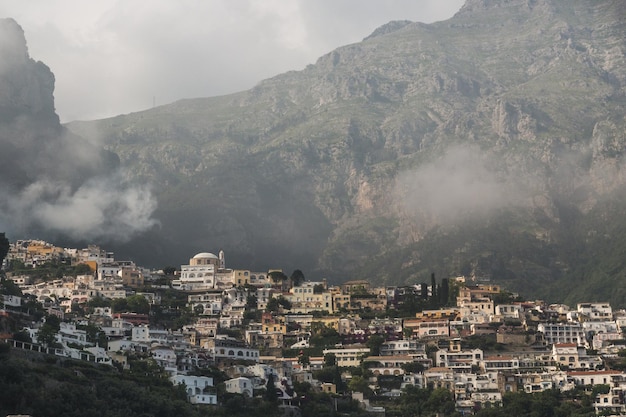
(26, 86)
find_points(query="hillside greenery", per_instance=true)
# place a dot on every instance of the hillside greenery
(45, 386)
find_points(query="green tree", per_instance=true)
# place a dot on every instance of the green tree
(284, 303)
(359, 384)
(22, 336)
(9, 287)
(276, 303)
(4, 247)
(82, 269)
(413, 367)
(169, 270)
(272, 305)
(330, 359)
(48, 331)
(119, 305)
(374, 342)
(138, 304)
(304, 360)
(270, 389)
(252, 302)
(277, 277)
(297, 278)
(98, 302)
(95, 334)
(323, 336)
(445, 292)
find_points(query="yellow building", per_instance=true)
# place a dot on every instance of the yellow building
(242, 277)
(470, 293)
(341, 301)
(273, 324)
(132, 276)
(359, 286)
(42, 249)
(305, 299)
(328, 321)
(440, 314)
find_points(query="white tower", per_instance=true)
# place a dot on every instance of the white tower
(222, 260)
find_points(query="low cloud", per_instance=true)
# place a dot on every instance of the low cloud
(458, 186)
(54, 183)
(103, 208)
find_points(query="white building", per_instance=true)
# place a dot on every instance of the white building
(11, 300)
(239, 385)
(458, 359)
(508, 312)
(402, 347)
(223, 348)
(595, 311)
(348, 356)
(562, 333)
(208, 303)
(593, 377)
(199, 388)
(68, 333)
(165, 357)
(200, 273)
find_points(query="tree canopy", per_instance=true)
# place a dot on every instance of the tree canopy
(297, 278)
(4, 247)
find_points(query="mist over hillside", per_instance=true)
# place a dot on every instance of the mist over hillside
(490, 144)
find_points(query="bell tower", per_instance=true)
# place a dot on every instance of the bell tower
(222, 260)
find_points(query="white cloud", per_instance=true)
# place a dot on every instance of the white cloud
(111, 57)
(457, 187)
(104, 208)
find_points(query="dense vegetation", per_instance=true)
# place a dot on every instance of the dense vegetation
(44, 386)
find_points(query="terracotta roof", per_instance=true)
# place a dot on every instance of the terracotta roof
(500, 358)
(582, 373)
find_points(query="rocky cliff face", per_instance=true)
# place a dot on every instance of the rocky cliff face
(482, 145)
(54, 184)
(26, 86)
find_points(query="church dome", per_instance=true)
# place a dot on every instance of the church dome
(205, 255)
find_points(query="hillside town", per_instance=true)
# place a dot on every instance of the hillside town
(270, 332)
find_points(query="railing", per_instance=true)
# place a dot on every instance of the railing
(32, 347)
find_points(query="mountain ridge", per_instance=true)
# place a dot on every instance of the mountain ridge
(507, 116)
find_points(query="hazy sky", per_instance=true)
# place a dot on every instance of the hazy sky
(118, 56)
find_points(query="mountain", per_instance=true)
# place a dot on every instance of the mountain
(52, 182)
(490, 144)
